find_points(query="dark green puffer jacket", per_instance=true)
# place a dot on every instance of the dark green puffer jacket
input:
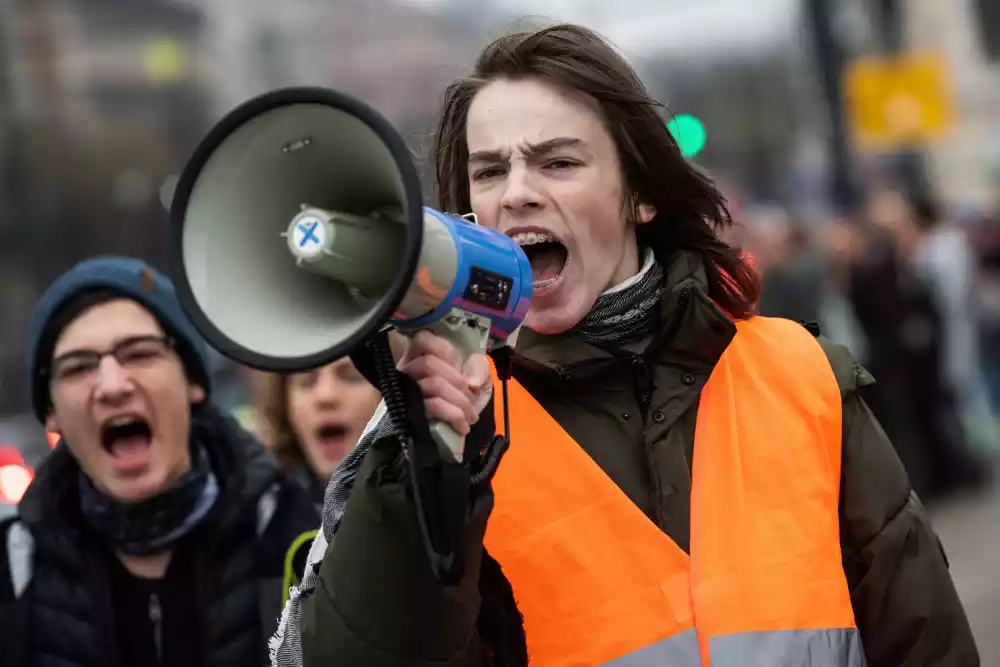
(377, 605)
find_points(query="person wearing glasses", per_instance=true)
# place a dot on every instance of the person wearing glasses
(156, 533)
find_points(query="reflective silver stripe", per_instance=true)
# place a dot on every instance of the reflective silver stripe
(677, 651)
(839, 647)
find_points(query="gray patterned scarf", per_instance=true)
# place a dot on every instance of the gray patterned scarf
(624, 313)
(627, 312)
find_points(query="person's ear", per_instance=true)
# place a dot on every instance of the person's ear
(646, 213)
(196, 394)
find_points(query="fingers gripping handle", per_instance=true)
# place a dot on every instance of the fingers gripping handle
(469, 334)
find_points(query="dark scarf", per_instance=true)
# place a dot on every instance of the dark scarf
(626, 312)
(154, 525)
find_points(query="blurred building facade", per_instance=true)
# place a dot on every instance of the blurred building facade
(102, 101)
(98, 103)
(965, 165)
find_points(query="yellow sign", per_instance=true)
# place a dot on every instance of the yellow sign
(898, 102)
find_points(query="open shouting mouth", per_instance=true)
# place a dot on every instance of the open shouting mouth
(547, 254)
(332, 438)
(128, 439)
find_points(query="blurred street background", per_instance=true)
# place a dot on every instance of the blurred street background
(858, 142)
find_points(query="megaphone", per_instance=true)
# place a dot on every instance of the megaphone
(298, 231)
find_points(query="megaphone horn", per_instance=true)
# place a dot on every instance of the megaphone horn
(298, 231)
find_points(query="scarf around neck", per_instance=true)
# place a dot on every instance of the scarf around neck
(626, 312)
(153, 525)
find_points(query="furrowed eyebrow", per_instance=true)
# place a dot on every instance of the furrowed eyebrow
(490, 156)
(551, 145)
(530, 150)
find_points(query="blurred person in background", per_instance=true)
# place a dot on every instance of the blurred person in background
(905, 333)
(791, 270)
(663, 495)
(314, 419)
(946, 262)
(841, 243)
(988, 296)
(156, 533)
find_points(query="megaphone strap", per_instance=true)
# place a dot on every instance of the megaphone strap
(442, 489)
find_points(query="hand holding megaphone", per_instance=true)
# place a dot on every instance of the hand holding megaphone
(455, 390)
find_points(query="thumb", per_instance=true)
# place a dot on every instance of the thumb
(477, 371)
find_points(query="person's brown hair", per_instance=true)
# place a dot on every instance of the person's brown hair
(270, 400)
(690, 209)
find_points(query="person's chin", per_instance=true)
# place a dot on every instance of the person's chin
(553, 316)
(329, 454)
(325, 469)
(134, 490)
(137, 487)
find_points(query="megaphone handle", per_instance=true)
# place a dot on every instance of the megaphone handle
(469, 334)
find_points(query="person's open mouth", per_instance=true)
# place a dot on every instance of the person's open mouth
(128, 439)
(333, 438)
(547, 254)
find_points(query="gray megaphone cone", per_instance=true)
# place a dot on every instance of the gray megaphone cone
(286, 181)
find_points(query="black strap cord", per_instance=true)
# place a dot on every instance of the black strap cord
(442, 489)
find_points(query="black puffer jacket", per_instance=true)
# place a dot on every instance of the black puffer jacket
(64, 617)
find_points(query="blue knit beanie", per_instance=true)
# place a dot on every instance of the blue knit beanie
(133, 279)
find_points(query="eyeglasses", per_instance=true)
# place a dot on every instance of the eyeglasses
(132, 353)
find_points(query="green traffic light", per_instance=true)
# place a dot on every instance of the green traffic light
(689, 133)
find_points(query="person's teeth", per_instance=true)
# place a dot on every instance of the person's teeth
(532, 238)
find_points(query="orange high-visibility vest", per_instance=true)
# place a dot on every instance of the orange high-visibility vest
(599, 584)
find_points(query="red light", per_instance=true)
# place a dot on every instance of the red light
(54, 439)
(14, 481)
(15, 476)
(10, 455)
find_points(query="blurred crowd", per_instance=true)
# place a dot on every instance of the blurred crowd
(914, 291)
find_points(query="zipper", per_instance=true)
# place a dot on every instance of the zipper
(643, 382)
(156, 618)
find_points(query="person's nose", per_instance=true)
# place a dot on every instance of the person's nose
(329, 391)
(520, 194)
(113, 382)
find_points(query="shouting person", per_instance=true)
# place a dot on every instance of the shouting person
(315, 418)
(687, 484)
(156, 533)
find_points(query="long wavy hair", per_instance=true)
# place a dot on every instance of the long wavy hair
(691, 212)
